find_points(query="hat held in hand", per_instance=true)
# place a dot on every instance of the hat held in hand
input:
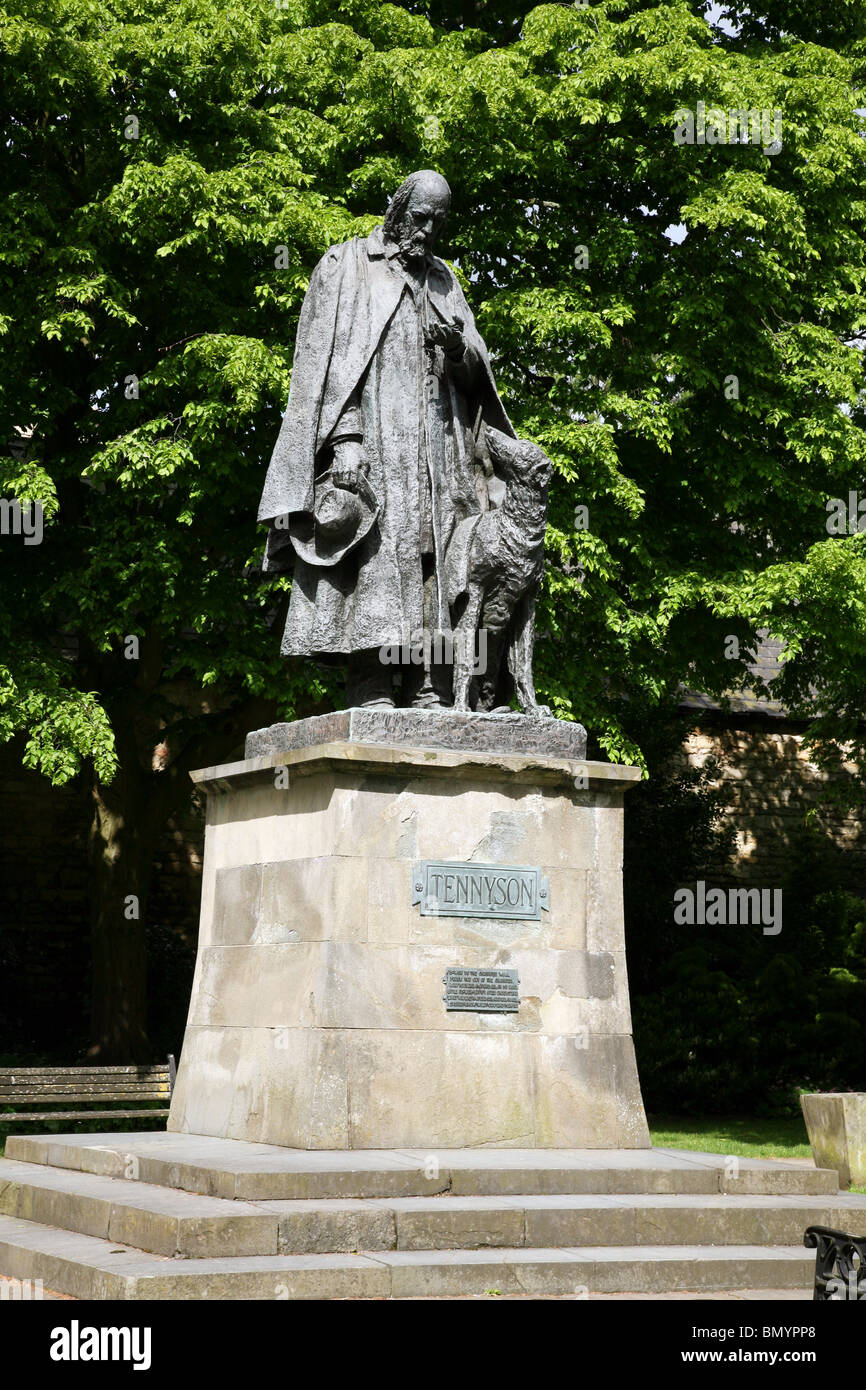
(340, 520)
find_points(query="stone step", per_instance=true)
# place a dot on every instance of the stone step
(160, 1220)
(445, 1223)
(88, 1267)
(232, 1168)
(172, 1222)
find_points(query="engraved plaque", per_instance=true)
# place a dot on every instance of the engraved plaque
(479, 890)
(481, 991)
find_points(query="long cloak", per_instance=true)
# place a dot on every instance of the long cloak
(360, 356)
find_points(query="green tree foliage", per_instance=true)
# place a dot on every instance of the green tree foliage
(728, 1021)
(172, 172)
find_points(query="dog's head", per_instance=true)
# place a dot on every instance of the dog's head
(518, 458)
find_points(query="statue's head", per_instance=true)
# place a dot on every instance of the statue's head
(416, 214)
(518, 458)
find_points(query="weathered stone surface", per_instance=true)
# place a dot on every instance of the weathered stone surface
(465, 1088)
(571, 1221)
(334, 1225)
(624, 1237)
(836, 1123)
(391, 918)
(78, 1265)
(604, 909)
(262, 823)
(52, 1205)
(246, 1171)
(458, 1223)
(418, 728)
(427, 1274)
(317, 1018)
(509, 1088)
(748, 1220)
(339, 984)
(323, 899)
(127, 1211)
(278, 1277)
(237, 904)
(589, 1087)
(261, 1084)
(88, 1268)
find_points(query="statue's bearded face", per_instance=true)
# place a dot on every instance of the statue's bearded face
(419, 228)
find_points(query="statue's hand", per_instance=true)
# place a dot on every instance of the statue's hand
(448, 336)
(348, 464)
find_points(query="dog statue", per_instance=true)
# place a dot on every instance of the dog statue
(494, 567)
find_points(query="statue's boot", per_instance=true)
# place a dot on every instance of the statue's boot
(428, 698)
(369, 682)
(428, 686)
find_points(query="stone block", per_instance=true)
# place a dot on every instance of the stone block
(589, 1221)
(236, 905)
(588, 1090)
(321, 899)
(482, 733)
(604, 910)
(265, 1085)
(333, 1226)
(458, 1223)
(410, 1088)
(836, 1122)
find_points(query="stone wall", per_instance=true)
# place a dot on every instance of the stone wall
(771, 786)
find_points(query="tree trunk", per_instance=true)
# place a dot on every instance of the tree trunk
(129, 816)
(121, 859)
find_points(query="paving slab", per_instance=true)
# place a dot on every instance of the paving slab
(583, 1271)
(231, 1168)
(236, 1169)
(90, 1268)
(765, 1175)
(449, 1222)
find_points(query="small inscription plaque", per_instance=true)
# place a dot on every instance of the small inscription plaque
(481, 991)
(479, 890)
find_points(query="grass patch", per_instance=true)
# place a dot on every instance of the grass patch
(746, 1137)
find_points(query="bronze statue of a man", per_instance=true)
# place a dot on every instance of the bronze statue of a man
(380, 456)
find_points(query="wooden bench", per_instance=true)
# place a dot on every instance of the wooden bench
(94, 1085)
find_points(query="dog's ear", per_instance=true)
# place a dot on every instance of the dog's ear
(498, 444)
(541, 464)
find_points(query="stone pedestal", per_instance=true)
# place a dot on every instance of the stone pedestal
(317, 1018)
